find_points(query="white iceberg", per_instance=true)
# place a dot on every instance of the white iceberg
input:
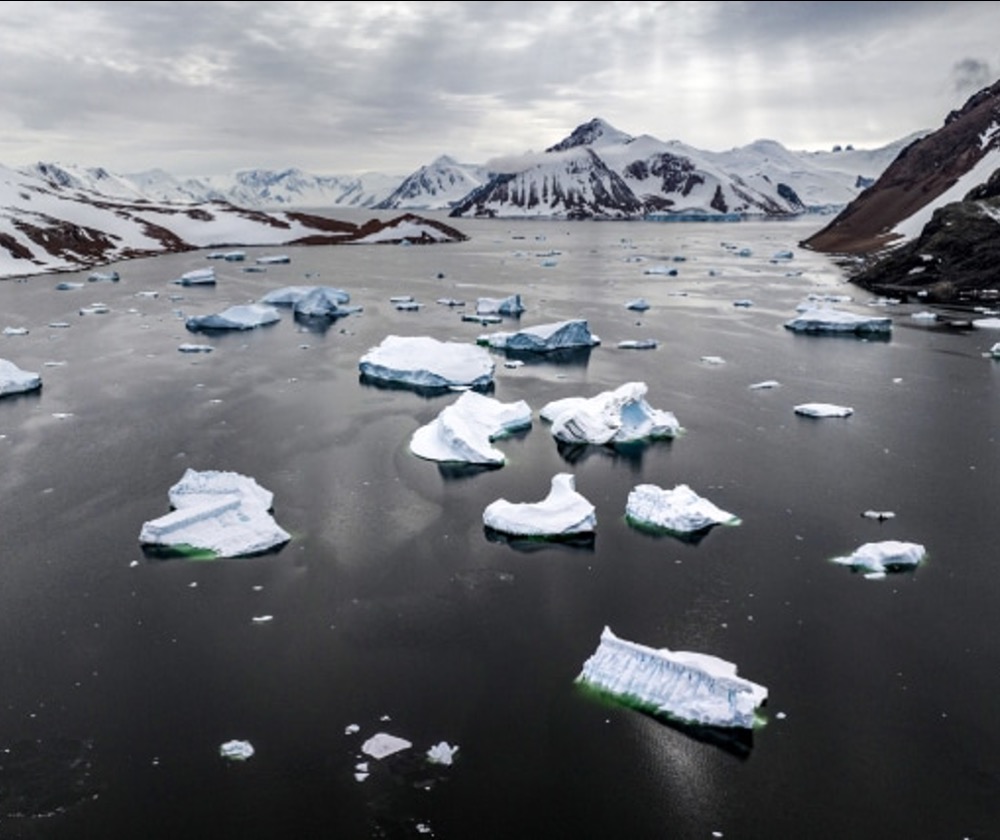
(987, 323)
(821, 409)
(425, 362)
(290, 295)
(638, 344)
(324, 302)
(236, 750)
(464, 431)
(612, 417)
(382, 744)
(826, 319)
(639, 305)
(104, 277)
(510, 305)
(197, 277)
(562, 335)
(563, 513)
(442, 753)
(224, 514)
(878, 558)
(274, 259)
(244, 316)
(680, 510)
(695, 688)
(13, 380)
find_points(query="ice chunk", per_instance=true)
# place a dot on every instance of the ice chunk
(197, 277)
(612, 417)
(692, 687)
(465, 430)
(241, 317)
(679, 510)
(820, 409)
(195, 348)
(236, 750)
(638, 344)
(426, 362)
(324, 302)
(13, 380)
(827, 319)
(290, 295)
(382, 744)
(104, 277)
(510, 305)
(275, 259)
(639, 305)
(881, 557)
(564, 512)
(562, 335)
(765, 385)
(223, 513)
(442, 753)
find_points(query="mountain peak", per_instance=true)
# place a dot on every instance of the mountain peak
(597, 132)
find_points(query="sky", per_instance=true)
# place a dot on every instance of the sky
(208, 88)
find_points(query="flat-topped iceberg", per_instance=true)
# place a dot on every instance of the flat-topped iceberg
(562, 513)
(878, 558)
(197, 277)
(679, 510)
(217, 513)
(464, 431)
(695, 688)
(562, 335)
(244, 316)
(828, 319)
(425, 362)
(612, 417)
(13, 380)
(822, 409)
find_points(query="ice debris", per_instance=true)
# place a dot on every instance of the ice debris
(562, 335)
(197, 277)
(442, 753)
(611, 417)
(465, 430)
(510, 305)
(680, 510)
(564, 512)
(820, 409)
(878, 558)
(236, 750)
(244, 316)
(695, 688)
(425, 362)
(382, 744)
(223, 513)
(13, 380)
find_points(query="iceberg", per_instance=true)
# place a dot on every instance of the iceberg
(639, 305)
(383, 744)
(425, 362)
(612, 417)
(464, 431)
(878, 558)
(104, 277)
(825, 319)
(275, 259)
(561, 335)
(442, 753)
(820, 409)
(13, 380)
(638, 344)
(197, 277)
(236, 750)
(290, 295)
(217, 513)
(244, 316)
(694, 688)
(323, 302)
(510, 305)
(563, 513)
(678, 511)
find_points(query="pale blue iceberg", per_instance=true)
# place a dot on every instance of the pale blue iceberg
(612, 417)
(826, 319)
(562, 513)
(679, 510)
(562, 335)
(695, 688)
(290, 295)
(464, 431)
(425, 362)
(197, 277)
(510, 305)
(245, 316)
(223, 514)
(13, 380)
(878, 558)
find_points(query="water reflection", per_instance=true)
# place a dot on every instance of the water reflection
(584, 542)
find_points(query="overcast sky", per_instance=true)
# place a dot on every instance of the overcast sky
(341, 88)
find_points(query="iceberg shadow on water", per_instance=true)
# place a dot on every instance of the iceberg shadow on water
(563, 357)
(530, 544)
(630, 452)
(428, 392)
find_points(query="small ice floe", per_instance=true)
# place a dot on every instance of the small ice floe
(987, 323)
(827, 319)
(639, 305)
(924, 316)
(273, 259)
(104, 277)
(236, 750)
(562, 335)
(197, 277)
(397, 299)
(450, 302)
(878, 558)
(465, 430)
(514, 363)
(695, 688)
(995, 350)
(782, 256)
(510, 305)
(638, 344)
(195, 348)
(262, 619)
(744, 302)
(291, 295)
(679, 510)
(665, 270)
(612, 417)
(152, 295)
(222, 514)
(562, 513)
(765, 385)
(59, 325)
(407, 305)
(442, 753)
(820, 409)
(482, 319)
(425, 362)
(95, 309)
(68, 286)
(246, 316)
(713, 360)
(879, 515)
(13, 380)
(15, 330)
(234, 256)
(352, 729)
(382, 744)
(361, 771)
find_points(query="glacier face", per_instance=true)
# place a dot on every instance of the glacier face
(694, 688)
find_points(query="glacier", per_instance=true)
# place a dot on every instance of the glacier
(878, 558)
(694, 688)
(465, 430)
(244, 316)
(221, 513)
(425, 362)
(13, 380)
(612, 417)
(679, 510)
(562, 513)
(561, 335)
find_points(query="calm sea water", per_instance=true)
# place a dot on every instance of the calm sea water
(393, 612)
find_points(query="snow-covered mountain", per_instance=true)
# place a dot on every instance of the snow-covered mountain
(437, 186)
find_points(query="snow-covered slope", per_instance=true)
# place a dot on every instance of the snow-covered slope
(437, 186)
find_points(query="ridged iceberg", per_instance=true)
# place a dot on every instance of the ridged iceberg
(680, 510)
(562, 335)
(563, 513)
(619, 416)
(464, 431)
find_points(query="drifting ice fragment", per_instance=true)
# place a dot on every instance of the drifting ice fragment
(464, 431)
(425, 362)
(442, 753)
(198, 277)
(13, 380)
(241, 317)
(823, 410)
(562, 335)
(500, 306)
(236, 750)
(679, 510)
(825, 319)
(612, 417)
(880, 515)
(881, 557)
(382, 744)
(692, 687)
(562, 513)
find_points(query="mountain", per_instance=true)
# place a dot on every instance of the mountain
(438, 186)
(932, 219)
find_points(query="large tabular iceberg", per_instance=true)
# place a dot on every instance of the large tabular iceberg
(877, 558)
(424, 362)
(13, 380)
(612, 417)
(679, 511)
(563, 513)
(222, 514)
(824, 319)
(562, 335)
(245, 316)
(695, 688)
(465, 430)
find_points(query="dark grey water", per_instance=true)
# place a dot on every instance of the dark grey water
(393, 611)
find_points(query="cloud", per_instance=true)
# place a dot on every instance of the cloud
(970, 75)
